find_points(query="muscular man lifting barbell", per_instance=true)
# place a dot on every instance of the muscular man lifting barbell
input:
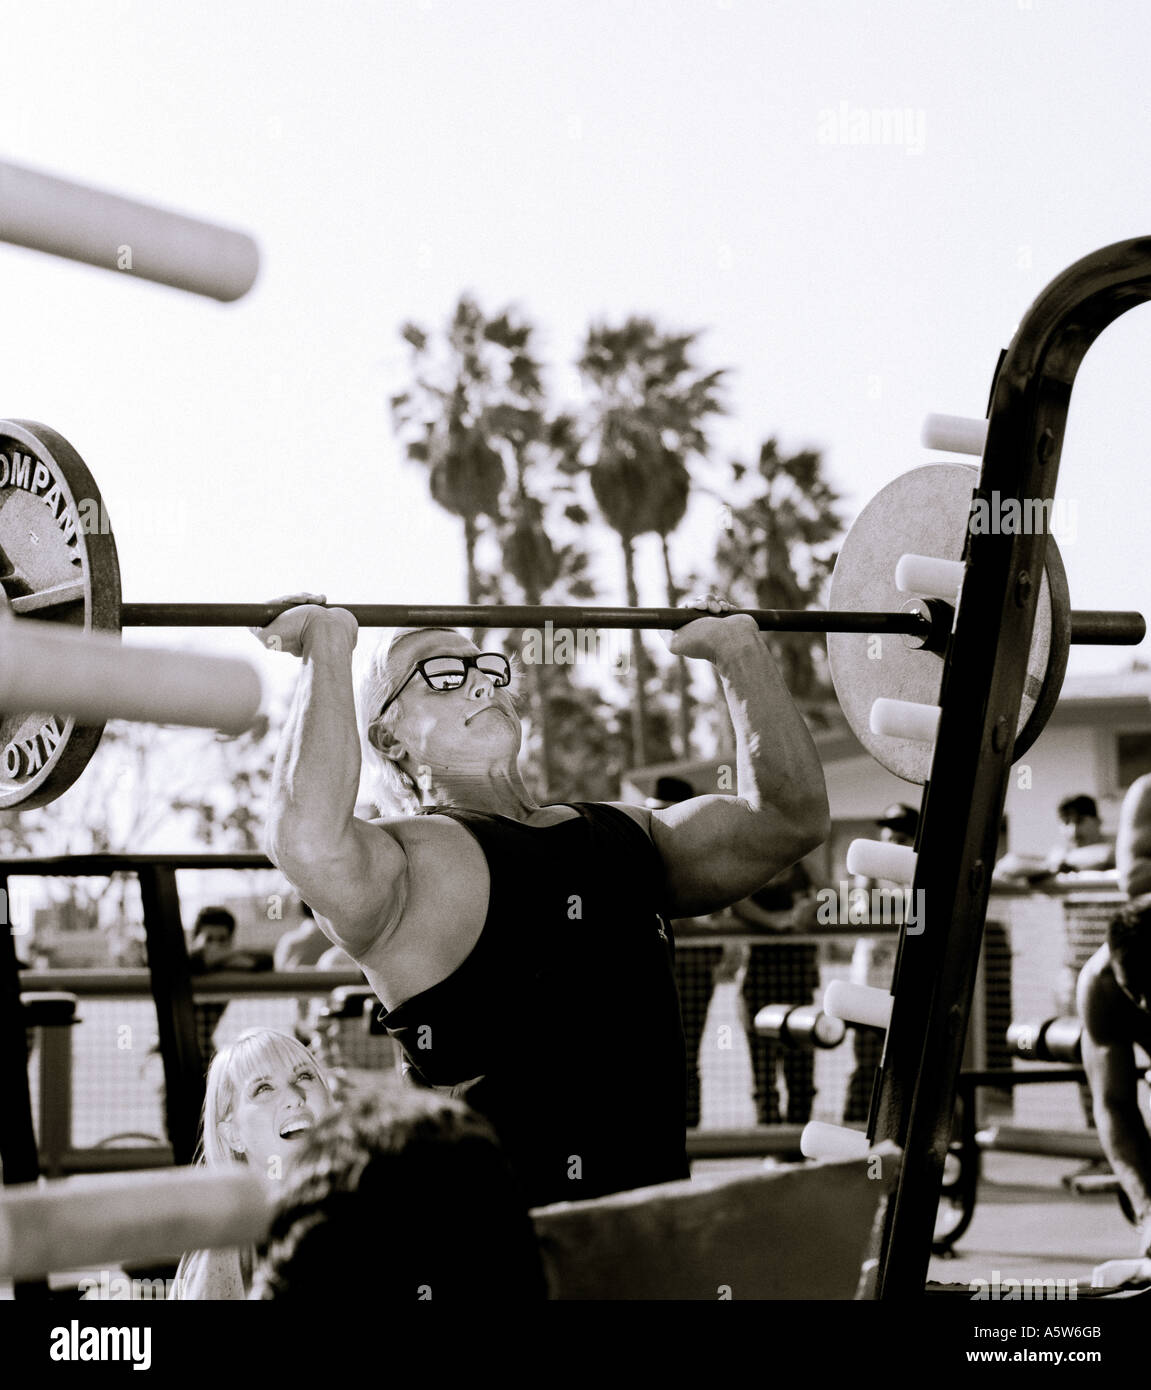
(521, 951)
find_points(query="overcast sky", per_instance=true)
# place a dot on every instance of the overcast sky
(690, 159)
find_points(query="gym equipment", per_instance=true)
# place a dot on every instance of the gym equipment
(91, 1222)
(954, 434)
(881, 859)
(1002, 650)
(794, 1233)
(797, 1025)
(91, 676)
(829, 1143)
(54, 563)
(911, 535)
(861, 1005)
(1047, 1040)
(81, 223)
(60, 577)
(1000, 671)
(677, 1240)
(64, 567)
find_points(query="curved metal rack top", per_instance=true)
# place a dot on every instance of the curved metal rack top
(980, 698)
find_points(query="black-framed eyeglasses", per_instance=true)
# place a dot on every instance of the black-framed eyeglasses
(450, 672)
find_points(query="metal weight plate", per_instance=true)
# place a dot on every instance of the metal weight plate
(57, 564)
(926, 512)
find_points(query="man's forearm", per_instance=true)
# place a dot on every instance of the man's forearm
(1085, 858)
(317, 772)
(776, 762)
(1127, 1146)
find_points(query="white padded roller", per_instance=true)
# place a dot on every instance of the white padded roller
(63, 670)
(955, 434)
(138, 240)
(929, 576)
(878, 859)
(858, 1004)
(95, 1221)
(905, 719)
(832, 1141)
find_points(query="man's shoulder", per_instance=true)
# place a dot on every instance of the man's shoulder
(1138, 797)
(1096, 976)
(640, 814)
(413, 828)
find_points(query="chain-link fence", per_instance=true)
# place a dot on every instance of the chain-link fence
(1033, 949)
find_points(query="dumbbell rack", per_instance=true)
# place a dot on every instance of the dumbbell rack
(983, 677)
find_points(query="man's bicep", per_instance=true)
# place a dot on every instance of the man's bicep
(705, 870)
(359, 893)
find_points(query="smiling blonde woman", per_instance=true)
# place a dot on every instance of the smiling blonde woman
(264, 1093)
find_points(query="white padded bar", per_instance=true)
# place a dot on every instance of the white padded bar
(832, 1141)
(905, 719)
(64, 670)
(95, 1221)
(954, 434)
(878, 859)
(80, 223)
(929, 576)
(858, 1003)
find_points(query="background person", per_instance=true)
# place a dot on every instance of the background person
(1114, 1000)
(406, 1196)
(873, 963)
(212, 950)
(301, 947)
(782, 972)
(264, 1094)
(1082, 847)
(305, 947)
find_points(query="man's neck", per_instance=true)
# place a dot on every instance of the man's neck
(500, 794)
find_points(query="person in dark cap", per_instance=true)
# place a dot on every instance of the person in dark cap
(522, 951)
(873, 963)
(212, 949)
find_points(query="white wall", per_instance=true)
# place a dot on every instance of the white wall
(1063, 762)
(859, 789)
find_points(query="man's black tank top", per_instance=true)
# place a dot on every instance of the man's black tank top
(562, 1025)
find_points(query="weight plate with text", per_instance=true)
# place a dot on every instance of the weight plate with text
(58, 563)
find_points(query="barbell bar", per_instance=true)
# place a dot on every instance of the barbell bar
(58, 562)
(1088, 627)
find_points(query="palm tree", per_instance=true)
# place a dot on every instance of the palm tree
(476, 420)
(778, 554)
(529, 556)
(643, 421)
(445, 420)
